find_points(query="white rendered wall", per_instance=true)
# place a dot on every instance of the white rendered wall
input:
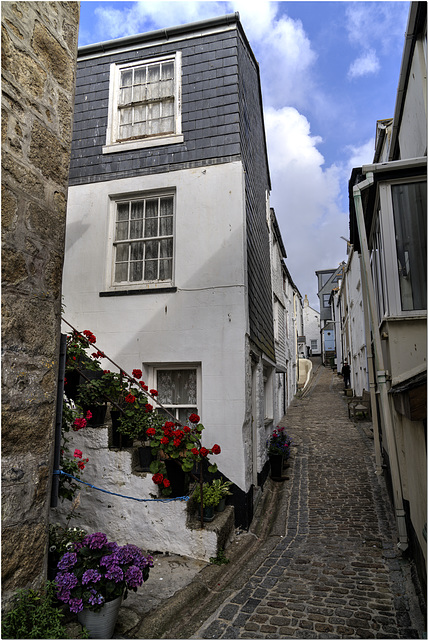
(204, 322)
(311, 326)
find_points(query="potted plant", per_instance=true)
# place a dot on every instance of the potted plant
(278, 448)
(211, 496)
(91, 396)
(93, 578)
(222, 486)
(79, 362)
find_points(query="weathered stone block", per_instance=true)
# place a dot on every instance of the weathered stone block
(23, 551)
(49, 154)
(53, 55)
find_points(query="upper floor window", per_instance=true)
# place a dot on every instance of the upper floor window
(143, 240)
(144, 104)
(326, 300)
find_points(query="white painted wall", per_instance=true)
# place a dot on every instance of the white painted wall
(311, 326)
(204, 322)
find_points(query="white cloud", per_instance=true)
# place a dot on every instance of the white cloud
(365, 64)
(305, 197)
(360, 155)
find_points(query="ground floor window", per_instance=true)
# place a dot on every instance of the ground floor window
(178, 390)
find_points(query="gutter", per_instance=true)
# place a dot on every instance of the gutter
(381, 373)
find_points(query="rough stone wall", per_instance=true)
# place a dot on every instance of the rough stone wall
(39, 49)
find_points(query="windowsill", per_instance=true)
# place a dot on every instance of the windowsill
(136, 292)
(117, 147)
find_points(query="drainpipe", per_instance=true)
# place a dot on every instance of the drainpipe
(381, 374)
(372, 381)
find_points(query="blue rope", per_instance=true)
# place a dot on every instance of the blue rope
(63, 473)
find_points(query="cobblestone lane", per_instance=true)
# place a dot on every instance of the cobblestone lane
(336, 571)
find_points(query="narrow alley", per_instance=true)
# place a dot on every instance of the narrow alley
(333, 569)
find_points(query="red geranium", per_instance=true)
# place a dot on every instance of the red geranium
(151, 431)
(166, 482)
(194, 418)
(81, 463)
(157, 478)
(79, 423)
(90, 336)
(153, 392)
(204, 452)
(177, 442)
(169, 425)
(77, 453)
(148, 407)
(195, 451)
(164, 440)
(186, 429)
(137, 373)
(88, 415)
(130, 398)
(216, 449)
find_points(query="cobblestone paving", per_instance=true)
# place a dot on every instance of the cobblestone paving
(335, 572)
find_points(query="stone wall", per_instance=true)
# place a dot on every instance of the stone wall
(39, 49)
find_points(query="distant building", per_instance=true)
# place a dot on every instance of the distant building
(311, 329)
(328, 279)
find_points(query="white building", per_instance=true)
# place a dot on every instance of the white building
(311, 329)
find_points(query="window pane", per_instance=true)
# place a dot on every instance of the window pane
(151, 228)
(122, 251)
(121, 272)
(136, 271)
(165, 269)
(166, 248)
(410, 218)
(151, 270)
(136, 229)
(137, 250)
(166, 206)
(122, 211)
(137, 210)
(121, 230)
(167, 70)
(177, 386)
(152, 249)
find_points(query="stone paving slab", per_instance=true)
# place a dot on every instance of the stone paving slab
(335, 570)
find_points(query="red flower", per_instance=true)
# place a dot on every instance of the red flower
(195, 451)
(130, 398)
(194, 418)
(186, 429)
(168, 425)
(90, 336)
(77, 453)
(157, 478)
(137, 373)
(166, 482)
(216, 449)
(153, 392)
(204, 452)
(148, 407)
(81, 464)
(151, 431)
(145, 387)
(177, 442)
(106, 371)
(164, 440)
(88, 415)
(79, 423)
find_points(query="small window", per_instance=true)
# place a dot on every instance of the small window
(326, 301)
(144, 104)
(178, 391)
(314, 345)
(143, 240)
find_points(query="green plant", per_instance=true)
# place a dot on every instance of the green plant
(211, 494)
(34, 615)
(220, 558)
(78, 345)
(223, 487)
(279, 443)
(62, 539)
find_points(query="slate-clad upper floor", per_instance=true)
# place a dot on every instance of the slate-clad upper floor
(210, 118)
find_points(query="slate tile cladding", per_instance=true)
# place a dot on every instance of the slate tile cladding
(210, 111)
(257, 183)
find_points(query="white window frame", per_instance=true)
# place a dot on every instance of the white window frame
(153, 369)
(113, 145)
(387, 228)
(129, 285)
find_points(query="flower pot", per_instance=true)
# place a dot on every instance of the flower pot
(118, 439)
(177, 478)
(208, 514)
(275, 466)
(221, 505)
(100, 624)
(98, 415)
(145, 457)
(71, 383)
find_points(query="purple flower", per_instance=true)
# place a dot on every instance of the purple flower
(91, 575)
(114, 573)
(64, 595)
(95, 540)
(96, 598)
(109, 561)
(134, 577)
(66, 580)
(67, 561)
(76, 605)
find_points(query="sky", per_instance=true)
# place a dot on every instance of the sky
(329, 71)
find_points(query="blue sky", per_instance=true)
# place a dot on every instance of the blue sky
(329, 71)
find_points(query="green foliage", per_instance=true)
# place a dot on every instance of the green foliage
(34, 615)
(211, 494)
(61, 539)
(220, 558)
(222, 487)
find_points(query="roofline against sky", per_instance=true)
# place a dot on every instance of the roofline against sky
(163, 34)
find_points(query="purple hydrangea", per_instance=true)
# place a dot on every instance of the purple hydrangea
(67, 561)
(95, 540)
(76, 605)
(66, 580)
(134, 577)
(91, 575)
(109, 561)
(114, 573)
(95, 598)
